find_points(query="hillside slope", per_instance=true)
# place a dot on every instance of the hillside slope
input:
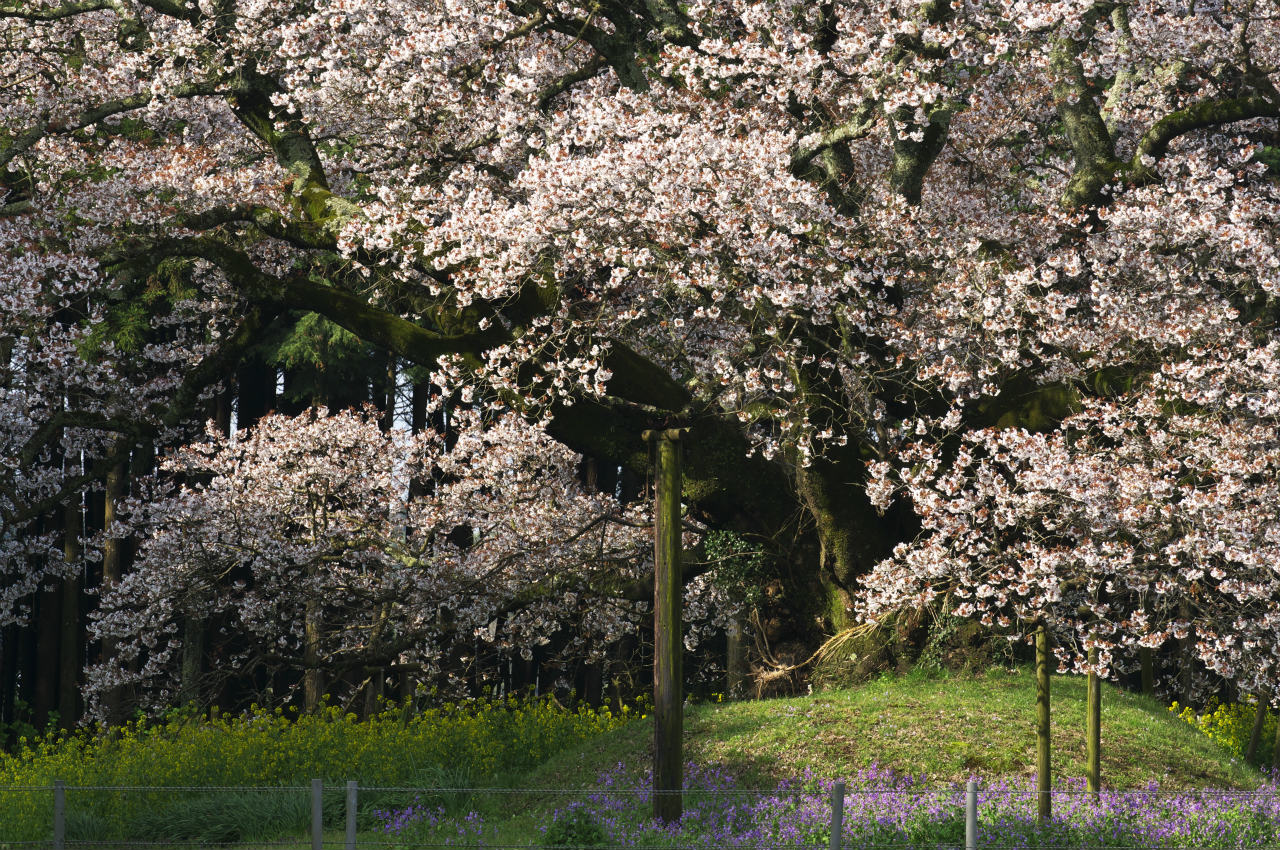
(945, 727)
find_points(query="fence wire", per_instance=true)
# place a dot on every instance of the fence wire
(803, 815)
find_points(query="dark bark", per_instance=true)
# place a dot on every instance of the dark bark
(668, 689)
(192, 671)
(9, 640)
(113, 549)
(71, 642)
(255, 391)
(1255, 735)
(45, 689)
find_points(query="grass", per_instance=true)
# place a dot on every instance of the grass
(947, 727)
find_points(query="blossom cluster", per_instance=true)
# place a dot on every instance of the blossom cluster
(418, 547)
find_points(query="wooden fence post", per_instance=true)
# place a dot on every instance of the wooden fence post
(1044, 809)
(668, 639)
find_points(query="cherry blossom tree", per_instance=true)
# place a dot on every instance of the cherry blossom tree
(828, 237)
(303, 550)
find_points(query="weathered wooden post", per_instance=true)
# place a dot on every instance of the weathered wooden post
(668, 641)
(1093, 730)
(317, 814)
(350, 838)
(59, 814)
(837, 815)
(971, 815)
(736, 659)
(1045, 806)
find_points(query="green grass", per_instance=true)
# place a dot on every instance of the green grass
(948, 727)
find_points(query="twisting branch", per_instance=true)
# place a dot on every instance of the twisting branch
(23, 11)
(1199, 116)
(49, 126)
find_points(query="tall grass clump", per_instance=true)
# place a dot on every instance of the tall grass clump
(476, 742)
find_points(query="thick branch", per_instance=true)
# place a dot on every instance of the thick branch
(34, 134)
(182, 404)
(384, 329)
(1199, 116)
(54, 13)
(293, 148)
(299, 234)
(912, 158)
(855, 128)
(671, 22)
(1091, 143)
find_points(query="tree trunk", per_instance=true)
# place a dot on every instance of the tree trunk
(48, 629)
(72, 639)
(621, 668)
(112, 572)
(1147, 659)
(6, 360)
(28, 670)
(255, 392)
(375, 693)
(193, 647)
(852, 535)
(1044, 808)
(1255, 736)
(388, 395)
(8, 681)
(222, 404)
(1275, 752)
(405, 686)
(850, 531)
(593, 684)
(1186, 650)
(312, 679)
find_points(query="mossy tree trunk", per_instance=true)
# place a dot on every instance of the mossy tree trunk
(1255, 736)
(1044, 800)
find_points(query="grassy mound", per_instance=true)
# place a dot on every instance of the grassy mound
(882, 737)
(945, 727)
